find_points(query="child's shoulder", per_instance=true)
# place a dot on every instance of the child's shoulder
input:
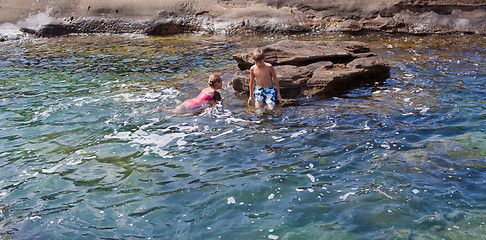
(254, 66)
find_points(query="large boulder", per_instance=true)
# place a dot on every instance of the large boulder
(307, 68)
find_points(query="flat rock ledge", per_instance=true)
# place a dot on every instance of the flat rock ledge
(309, 68)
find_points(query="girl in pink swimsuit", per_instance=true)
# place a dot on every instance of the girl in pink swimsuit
(210, 93)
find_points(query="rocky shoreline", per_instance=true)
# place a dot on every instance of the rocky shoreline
(64, 17)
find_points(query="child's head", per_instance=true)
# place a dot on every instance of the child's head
(214, 79)
(258, 55)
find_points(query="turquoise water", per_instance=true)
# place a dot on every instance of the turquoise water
(82, 158)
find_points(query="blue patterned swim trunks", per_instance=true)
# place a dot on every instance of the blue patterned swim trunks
(267, 95)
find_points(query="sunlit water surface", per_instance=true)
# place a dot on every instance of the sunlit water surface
(81, 156)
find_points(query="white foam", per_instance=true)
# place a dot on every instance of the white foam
(10, 30)
(233, 119)
(149, 96)
(231, 200)
(34, 218)
(130, 97)
(274, 237)
(408, 75)
(298, 133)
(34, 22)
(345, 196)
(385, 194)
(278, 139)
(224, 133)
(154, 120)
(52, 169)
(332, 126)
(181, 143)
(146, 138)
(156, 141)
(312, 178)
(38, 20)
(72, 162)
(385, 145)
(366, 127)
(423, 110)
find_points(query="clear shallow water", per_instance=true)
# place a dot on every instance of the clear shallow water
(82, 158)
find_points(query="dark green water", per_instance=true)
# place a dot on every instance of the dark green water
(81, 157)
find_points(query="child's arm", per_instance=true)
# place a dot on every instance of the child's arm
(276, 83)
(156, 110)
(252, 85)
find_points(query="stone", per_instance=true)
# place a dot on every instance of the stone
(302, 53)
(154, 17)
(307, 68)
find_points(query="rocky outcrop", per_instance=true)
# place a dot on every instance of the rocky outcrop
(115, 26)
(236, 16)
(321, 67)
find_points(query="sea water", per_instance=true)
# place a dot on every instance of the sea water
(82, 157)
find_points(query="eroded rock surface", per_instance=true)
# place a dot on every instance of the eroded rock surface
(161, 17)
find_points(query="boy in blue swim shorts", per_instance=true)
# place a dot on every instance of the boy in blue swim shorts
(264, 85)
(266, 95)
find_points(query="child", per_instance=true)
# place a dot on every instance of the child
(210, 93)
(267, 87)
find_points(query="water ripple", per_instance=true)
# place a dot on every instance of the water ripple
(81, 154)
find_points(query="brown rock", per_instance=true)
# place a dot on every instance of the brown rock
(342, 77)
(238, 16)
(303, 53)
(308, 68)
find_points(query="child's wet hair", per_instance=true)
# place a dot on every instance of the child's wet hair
(258, 54)
(214, 78)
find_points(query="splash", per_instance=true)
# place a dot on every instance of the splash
(34, 22)
(157, 141)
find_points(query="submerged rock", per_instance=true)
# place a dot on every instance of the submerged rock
(322, 67)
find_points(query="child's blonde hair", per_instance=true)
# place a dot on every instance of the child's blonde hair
(214, 78)
(258, 54)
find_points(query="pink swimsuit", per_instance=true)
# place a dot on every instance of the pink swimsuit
(197, 101)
